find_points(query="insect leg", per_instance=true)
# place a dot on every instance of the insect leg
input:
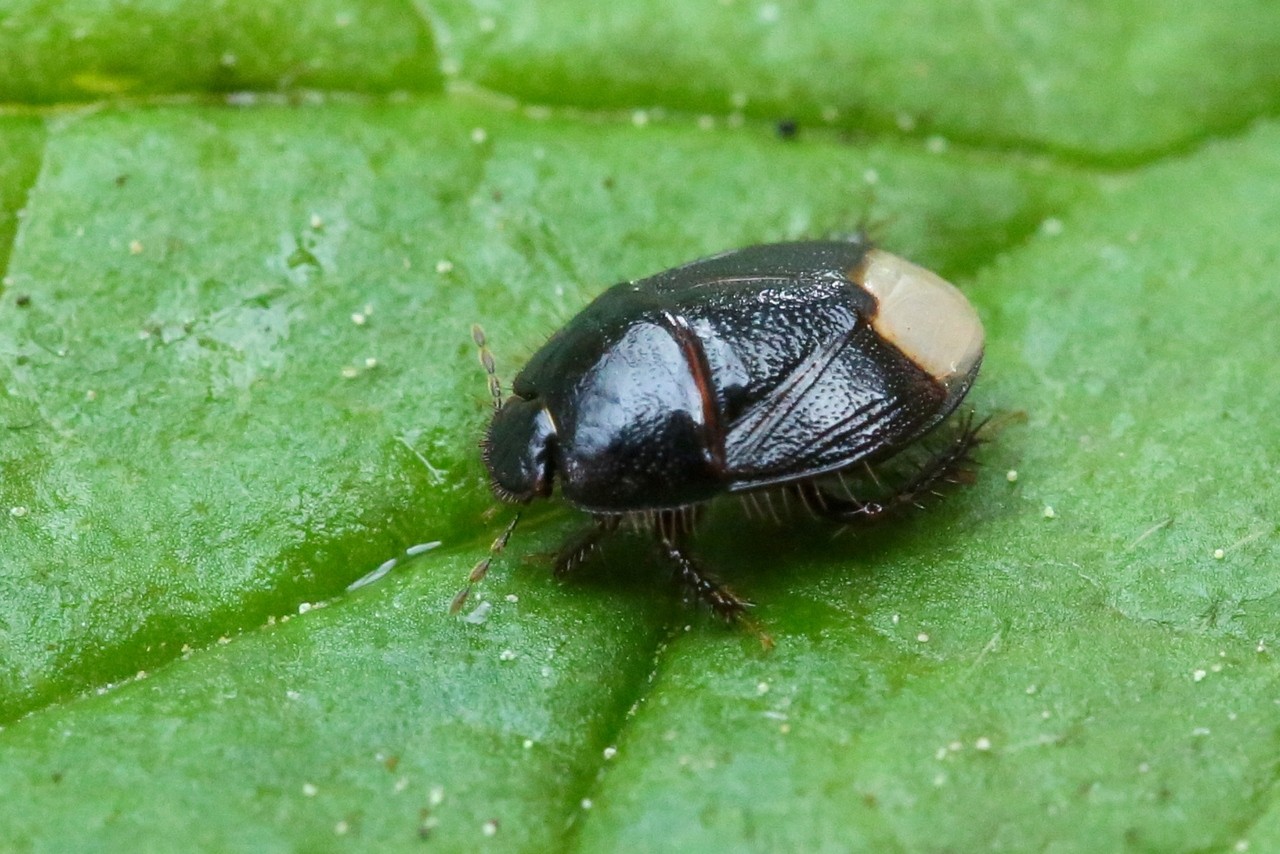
(704, 586)
(944, 467)
(581, 546)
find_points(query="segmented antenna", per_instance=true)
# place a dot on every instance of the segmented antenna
(481, 569)
(490, 368)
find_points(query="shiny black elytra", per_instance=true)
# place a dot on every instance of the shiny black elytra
(771, 369)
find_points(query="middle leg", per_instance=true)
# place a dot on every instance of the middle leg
(701, 584)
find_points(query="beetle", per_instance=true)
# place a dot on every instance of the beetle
(769, 369)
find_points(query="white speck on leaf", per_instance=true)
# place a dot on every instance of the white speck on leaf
(479, 614)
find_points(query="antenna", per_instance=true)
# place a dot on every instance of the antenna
(481, 569)
(490, 368)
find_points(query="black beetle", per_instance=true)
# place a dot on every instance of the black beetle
(768, 368)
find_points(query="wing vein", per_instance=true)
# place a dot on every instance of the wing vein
(780, 405)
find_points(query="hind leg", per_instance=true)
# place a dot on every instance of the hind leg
(947, 466)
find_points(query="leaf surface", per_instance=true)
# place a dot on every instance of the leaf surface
(236, 375)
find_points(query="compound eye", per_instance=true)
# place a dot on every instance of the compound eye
(524, 389)
(518, 450)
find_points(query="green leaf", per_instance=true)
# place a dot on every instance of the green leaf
(55, 50)
(236, 375)
(1113, 81)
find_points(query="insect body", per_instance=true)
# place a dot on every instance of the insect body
(762, 369)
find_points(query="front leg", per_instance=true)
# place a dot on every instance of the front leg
(583, 544)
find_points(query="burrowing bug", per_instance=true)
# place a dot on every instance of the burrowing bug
(770, 369)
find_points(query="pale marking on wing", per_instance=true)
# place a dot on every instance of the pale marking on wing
(923, 315)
